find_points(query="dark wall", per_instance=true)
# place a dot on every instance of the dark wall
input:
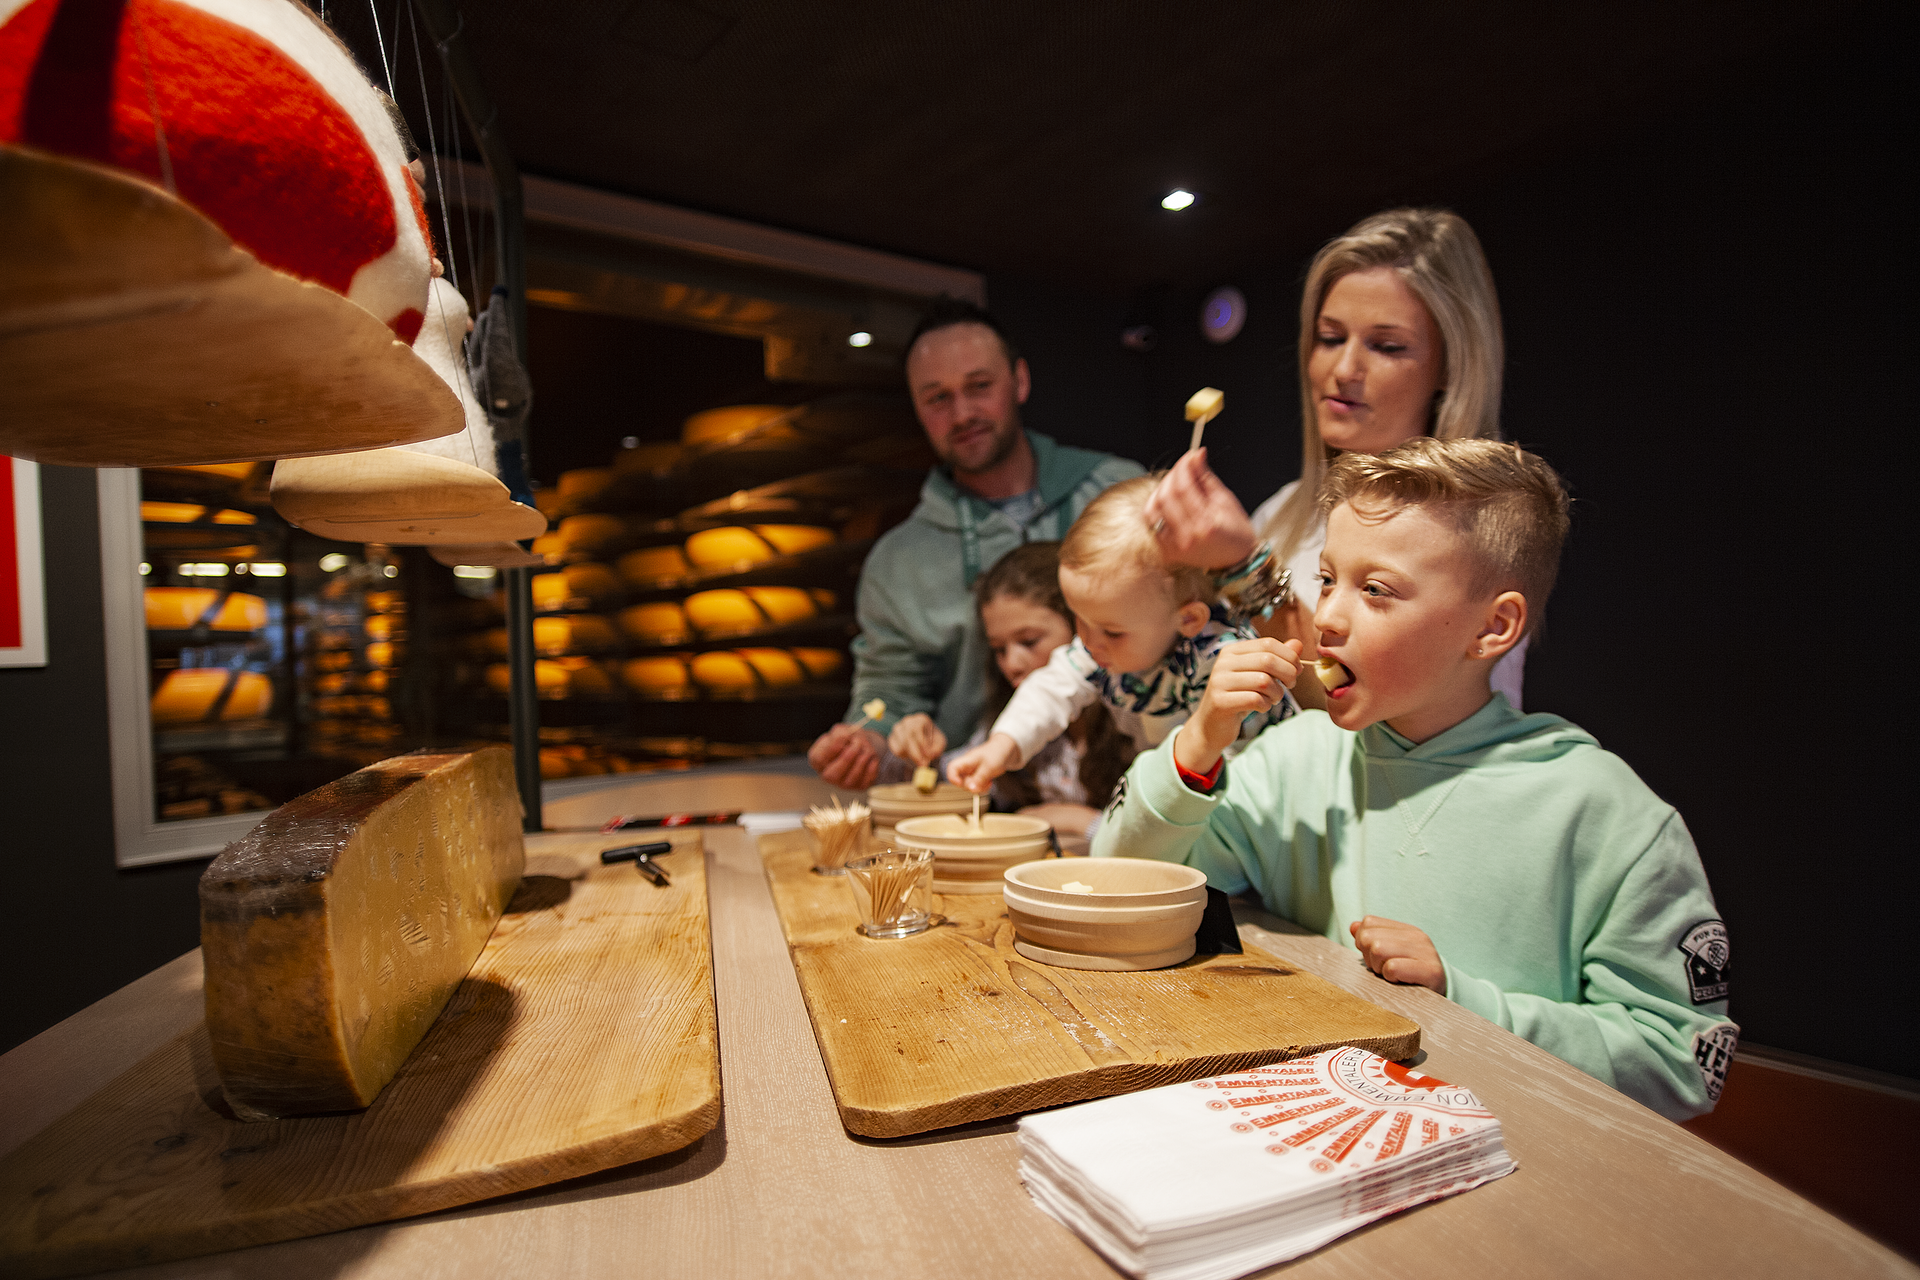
(80, 929)
(1708, 335)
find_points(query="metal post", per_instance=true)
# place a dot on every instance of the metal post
(446, 26)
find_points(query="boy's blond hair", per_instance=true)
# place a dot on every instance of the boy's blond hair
(1508, 504)
(1112, 532)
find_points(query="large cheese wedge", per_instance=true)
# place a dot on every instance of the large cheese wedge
(335, 931)
(179, 608)
(734, 546)
(653, 564)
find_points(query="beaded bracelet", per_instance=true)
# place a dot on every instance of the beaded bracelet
(1257, 585)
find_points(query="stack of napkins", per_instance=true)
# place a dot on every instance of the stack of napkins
(1215, 1178)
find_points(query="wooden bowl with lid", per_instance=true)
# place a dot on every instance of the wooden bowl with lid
(1134, 913)
(970, 860)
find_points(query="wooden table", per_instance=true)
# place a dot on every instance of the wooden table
(1605, 1187)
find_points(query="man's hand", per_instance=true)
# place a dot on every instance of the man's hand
(976, 769)
(1248, 676)
(1196, 518)
(917, 738)
(846, 757)
(1399, 952)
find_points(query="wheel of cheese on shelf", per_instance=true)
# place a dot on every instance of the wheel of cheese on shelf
(192, 513)
(338, 661)
(557, 678)
(187, 695)
(820, 663)
(741, 670)
(659, 677)
(584, 485)
(386, 602)
(181, 608)
(649, 565)
(385, 626)
(648, 459)
(375, 681)
(736, 546)
(730, 423)
(549, 545)
(385, 653)
(574, 584)
(573, 633)
(332, 684)
(592, 534)
(660, 623)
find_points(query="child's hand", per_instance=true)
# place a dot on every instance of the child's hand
(1248, 676)
(917, 738)
(976, 769)
(1399, 952)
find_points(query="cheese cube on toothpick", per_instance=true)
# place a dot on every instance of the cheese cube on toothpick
(1202, 407)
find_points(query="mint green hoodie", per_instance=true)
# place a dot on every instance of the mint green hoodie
(1566, 899)
(920, 646)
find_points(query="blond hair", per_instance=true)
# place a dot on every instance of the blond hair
(1112, 532)
(1507, 504)
(1436, 253)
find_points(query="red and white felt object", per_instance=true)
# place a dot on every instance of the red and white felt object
(270, 129)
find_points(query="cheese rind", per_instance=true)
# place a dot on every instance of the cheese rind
(335, 931)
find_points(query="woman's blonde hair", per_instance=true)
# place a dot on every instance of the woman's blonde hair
(1439, 257)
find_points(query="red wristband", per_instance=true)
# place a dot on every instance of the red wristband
(1201, 782)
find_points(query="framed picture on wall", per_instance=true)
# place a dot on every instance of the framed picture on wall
(23, 594)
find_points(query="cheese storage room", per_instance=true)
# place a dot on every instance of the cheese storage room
(707, 638)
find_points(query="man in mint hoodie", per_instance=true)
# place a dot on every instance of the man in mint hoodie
(920, 648)
(1506, 861)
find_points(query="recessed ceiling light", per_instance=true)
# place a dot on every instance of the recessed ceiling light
(332, 562)
(860, 339)
(1176, 200)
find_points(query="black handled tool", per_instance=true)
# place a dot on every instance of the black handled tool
(641, 856)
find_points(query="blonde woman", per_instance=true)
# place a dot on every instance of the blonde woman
(1399, 337)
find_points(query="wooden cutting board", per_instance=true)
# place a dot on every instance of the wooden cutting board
(584, 1038)
(953, 1025)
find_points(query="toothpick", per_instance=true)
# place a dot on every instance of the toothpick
(976, 811)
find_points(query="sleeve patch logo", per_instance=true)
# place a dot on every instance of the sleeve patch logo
(1713, 1050)
(1709, 961)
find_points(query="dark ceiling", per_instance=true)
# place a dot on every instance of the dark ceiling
(1037, 139)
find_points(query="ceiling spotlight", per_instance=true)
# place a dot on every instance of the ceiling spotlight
(332, 562)
(1176, 200)
(860, 339)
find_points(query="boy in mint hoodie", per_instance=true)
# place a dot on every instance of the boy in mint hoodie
(1506, 861)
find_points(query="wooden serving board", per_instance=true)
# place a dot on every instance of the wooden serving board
(583, 1038)
(953, 1025)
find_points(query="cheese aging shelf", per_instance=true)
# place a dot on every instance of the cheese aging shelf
(699, 599)
(277, 661)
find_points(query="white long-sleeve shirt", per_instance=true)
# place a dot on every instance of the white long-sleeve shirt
(1145, 705)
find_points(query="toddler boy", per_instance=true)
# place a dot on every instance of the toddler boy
(1505, 861)
(1146, 636)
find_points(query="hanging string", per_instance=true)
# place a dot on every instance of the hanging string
(433, 148)
(153, 105)
(373, 12)
(468, 218)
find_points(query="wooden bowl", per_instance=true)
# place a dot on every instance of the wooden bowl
(895, 802)
(1141, 914)
(969, 862)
